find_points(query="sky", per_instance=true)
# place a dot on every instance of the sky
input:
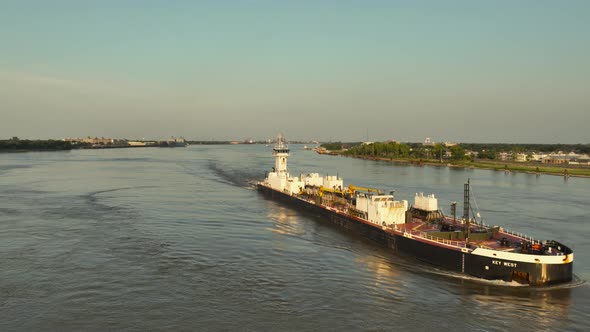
(456, 71)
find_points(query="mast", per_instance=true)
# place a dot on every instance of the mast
(466, 209)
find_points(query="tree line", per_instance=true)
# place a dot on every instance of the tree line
(456, 152)
(396, 150)
(34, 145)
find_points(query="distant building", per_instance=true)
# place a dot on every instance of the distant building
(91, 140)
(520, 157)
(99, 141)
(504, 156)
(538, 157)
(176, 140)
(562, 158)
(427, 141)
(136, 143)
(131, 143)
(555, 159)
(72, 140)
(581, 160)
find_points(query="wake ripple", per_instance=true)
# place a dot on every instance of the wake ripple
(242, 177)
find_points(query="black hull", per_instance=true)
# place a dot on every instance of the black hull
(452, 259)
(529, 273)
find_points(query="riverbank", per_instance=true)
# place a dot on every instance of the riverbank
(503, 166)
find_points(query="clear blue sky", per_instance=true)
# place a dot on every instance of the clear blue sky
(470, 71)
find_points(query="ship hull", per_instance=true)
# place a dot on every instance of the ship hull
(535, 274)
(449, 258)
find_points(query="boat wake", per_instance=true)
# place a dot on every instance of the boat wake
(235, 177)
(576, 281)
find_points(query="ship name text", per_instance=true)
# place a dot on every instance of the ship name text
(509, 264)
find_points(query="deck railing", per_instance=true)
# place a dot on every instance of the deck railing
(424, 235)
(521, 236)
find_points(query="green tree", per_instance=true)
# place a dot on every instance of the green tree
(336, 146)
(457, 153)
(404, 150)
(439, 151)
(487, 154)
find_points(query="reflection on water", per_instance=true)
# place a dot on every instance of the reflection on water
(380, 267)
(285, 224)
(286, 220)
(547, 308)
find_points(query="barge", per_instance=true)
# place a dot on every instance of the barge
(421, 230)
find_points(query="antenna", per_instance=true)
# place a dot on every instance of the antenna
(466, 209)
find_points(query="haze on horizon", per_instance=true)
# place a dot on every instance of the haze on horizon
(465, 71)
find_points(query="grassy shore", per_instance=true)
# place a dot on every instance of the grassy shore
(504, 166)
(561, 170)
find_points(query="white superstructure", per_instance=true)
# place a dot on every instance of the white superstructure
(376, 208)
(382, 209)
(279, 179)
(313, 179)
(329, 181)
(426, 203)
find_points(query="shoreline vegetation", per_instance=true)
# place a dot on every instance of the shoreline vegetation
(17, 145)
(504, 166)
(411, 154)
(25, 145)
(457, 156)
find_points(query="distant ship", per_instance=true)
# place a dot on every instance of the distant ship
(174, 142)
(421, 230)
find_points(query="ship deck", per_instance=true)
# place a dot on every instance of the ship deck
(501, 241)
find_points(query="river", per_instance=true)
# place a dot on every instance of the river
(178, 239)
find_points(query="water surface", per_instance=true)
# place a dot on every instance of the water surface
(177, 239)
